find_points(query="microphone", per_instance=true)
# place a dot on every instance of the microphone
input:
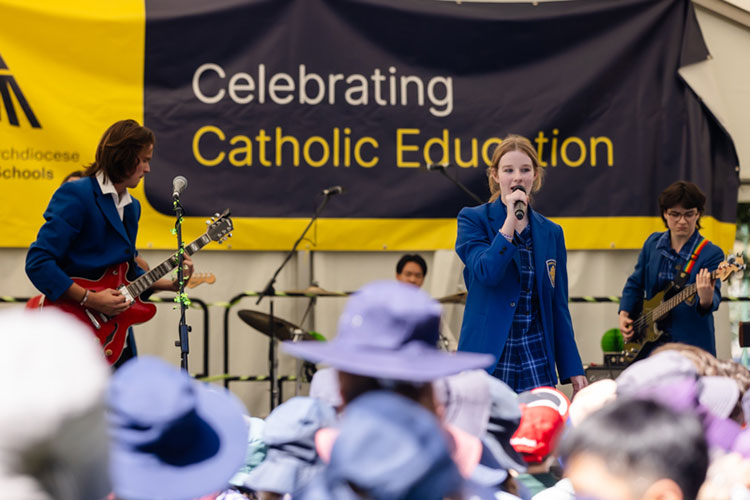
(437, 166)
(332, 191)
(519, 207)
(179, 184)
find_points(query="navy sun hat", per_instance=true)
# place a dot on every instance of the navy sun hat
(291, 458)
(389, 330)
(172, 437)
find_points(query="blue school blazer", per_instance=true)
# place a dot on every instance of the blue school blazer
(82, 236)
(688, 322)
(492, 276)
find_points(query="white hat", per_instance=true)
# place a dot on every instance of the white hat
(53, 434)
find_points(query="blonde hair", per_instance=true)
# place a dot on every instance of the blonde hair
(514, 143)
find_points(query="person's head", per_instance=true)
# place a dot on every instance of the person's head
(411, 268)
(53, 433)
(289, 435)
(514, 163)
(681, 206)
(544, 411)
(73, 176)
(636, 449)
(123, 153)
(352, 386)
(705, 363)
(387, 446)
(741, 376)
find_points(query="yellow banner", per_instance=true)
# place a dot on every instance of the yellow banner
(69, 70)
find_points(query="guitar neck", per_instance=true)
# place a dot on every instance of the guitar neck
(145, 282)
(677, 299)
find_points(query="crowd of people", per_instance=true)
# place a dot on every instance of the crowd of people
(390, 416)
(393, 417)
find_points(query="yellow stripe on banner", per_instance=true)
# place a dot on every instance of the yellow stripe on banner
(629, 233)
(589, 233)
(79, 67)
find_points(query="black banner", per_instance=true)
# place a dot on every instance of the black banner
(262, 104)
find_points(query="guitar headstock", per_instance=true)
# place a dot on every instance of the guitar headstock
(733, 264)
(220, 227)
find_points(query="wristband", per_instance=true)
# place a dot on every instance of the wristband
(85, 297)
(509, 238)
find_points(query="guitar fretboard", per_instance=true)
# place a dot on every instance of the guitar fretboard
(663, 309)
(143, 283)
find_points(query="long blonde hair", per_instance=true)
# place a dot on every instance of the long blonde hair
(514, 143)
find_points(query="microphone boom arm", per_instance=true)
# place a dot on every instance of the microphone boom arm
(268, 289)
(461, 186)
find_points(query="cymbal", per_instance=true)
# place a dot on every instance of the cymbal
(283, 330)
(456, 298)
(314, 291)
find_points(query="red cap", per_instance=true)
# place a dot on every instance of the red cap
(543, 414)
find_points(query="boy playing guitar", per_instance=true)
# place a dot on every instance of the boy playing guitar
(91, 225)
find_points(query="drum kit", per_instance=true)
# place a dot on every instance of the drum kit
(284, 330)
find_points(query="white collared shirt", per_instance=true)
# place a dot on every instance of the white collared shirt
(108, 188)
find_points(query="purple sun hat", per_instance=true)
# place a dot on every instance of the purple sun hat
(389, 330)
(172, 437)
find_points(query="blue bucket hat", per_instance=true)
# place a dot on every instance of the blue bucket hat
(172, 437)
(388, 447)
(389, 330)
(291, 459)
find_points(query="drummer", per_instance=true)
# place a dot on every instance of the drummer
(411, 268)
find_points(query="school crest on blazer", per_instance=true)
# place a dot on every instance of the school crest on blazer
(551, 268)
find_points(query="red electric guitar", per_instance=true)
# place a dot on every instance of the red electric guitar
(112, 330)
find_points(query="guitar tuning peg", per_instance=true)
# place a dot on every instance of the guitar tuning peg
(217, 214)
(230, 235)
(208, 222)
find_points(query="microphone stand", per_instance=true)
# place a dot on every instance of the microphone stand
(460, 186)
(183, 328)
(270, 292)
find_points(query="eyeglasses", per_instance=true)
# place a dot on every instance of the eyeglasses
(688, 216)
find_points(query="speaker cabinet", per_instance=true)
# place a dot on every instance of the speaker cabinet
(744, 334)
(600, 372)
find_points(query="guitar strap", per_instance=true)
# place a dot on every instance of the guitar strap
(683, 274)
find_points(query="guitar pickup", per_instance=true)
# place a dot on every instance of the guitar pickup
(92, 319)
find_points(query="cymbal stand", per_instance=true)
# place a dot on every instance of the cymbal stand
(300, 365)
(270, 292)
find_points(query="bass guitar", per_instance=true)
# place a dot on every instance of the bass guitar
(112, 330)
(645, 327)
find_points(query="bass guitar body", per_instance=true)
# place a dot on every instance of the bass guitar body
(111, 331)
(646, 329)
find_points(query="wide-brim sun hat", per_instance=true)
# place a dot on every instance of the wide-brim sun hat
(389, 330)
(172, 437)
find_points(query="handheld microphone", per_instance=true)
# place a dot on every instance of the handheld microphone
(332, 191)
(436, 166)
(519, 207)
(179, 184)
